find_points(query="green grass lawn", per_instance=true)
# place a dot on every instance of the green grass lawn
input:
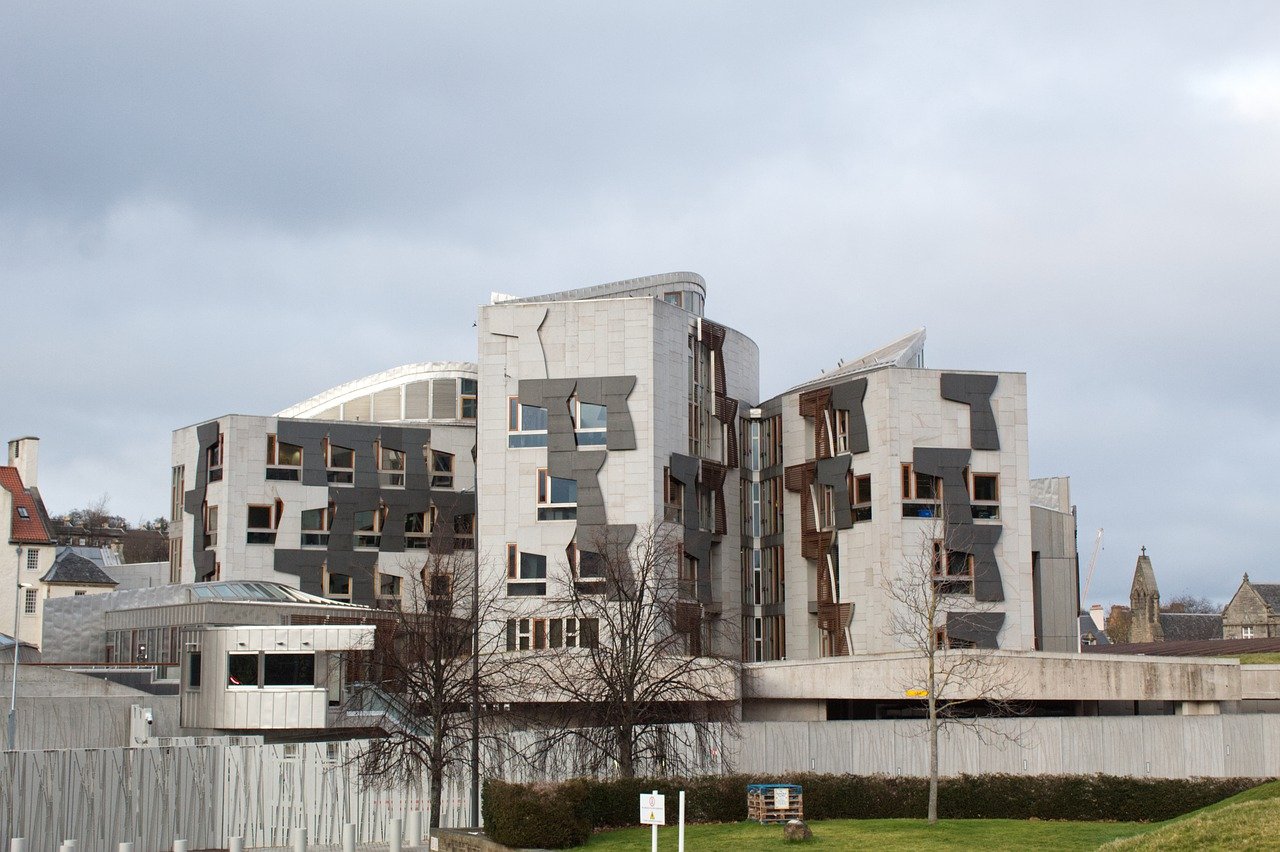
(1248, 820)
(883, 835)
(1258, 659)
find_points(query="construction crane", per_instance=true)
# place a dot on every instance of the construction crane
(1093, 563)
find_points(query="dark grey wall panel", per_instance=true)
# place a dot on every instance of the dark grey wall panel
(835, 473)
(193, 501)
(962, 533)
(848, 396)
(697, 542)
(980, 628)
(974, 391)
(564, 459)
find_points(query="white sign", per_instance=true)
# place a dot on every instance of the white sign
(781, 798)
(653, 809)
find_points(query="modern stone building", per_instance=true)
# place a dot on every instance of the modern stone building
(344, 508)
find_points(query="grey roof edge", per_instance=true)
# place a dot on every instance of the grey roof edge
(614, 288)
(897, 353)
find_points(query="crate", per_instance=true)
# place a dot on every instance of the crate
(773, 803)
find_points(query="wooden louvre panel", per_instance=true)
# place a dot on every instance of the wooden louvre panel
(815, 404)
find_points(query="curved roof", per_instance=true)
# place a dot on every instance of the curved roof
(322, 406)
(648, 285)
(259, 590)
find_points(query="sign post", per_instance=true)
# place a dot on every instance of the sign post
(680, 835)
(653, 812)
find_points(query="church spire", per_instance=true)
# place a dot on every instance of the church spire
(1144, 602)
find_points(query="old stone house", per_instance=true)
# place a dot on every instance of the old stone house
(1254, 611)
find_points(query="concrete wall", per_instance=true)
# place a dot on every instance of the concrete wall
(1056, 578)
(1155, 746)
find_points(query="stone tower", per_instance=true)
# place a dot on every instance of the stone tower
(1144, 601)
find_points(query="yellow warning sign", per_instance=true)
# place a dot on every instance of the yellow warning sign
(917, 693)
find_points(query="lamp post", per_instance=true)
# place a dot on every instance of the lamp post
(18, 586)
(475, 640)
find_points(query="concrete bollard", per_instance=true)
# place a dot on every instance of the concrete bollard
(179, 846)
(413, 828)
(348, 837)
(18, 844)
(235, 844)
(299, 837)
(393, 835)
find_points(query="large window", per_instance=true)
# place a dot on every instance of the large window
(213, 460)
(315, 526)
(526, 424)
(417, 529)
(557, 498)
(210, 526)
(284, 461)
(467, 399)
(258, 670)
(262, 524)
(31, 601)
(337, 586)
(952, 571)
(590, 422)
(526, 572)
(540, 634)
(33, 559)
(368, 527)
(193, 670)
(860, 494)
(389, 587)
(464, 531)
(390, 467)
(441, 469)
(920, 494)
(985, 491)
(672, 497)
(176, 492)
(340, 464)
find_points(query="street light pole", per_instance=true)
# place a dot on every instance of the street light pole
(13, 696)
(475, 640)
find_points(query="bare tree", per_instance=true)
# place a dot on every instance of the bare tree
(932, 607)
(1187, 602)
(634, 653)
(420, 676)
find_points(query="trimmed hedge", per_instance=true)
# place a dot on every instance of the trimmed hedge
(556, 816)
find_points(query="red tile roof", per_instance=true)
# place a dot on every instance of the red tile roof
(31, 529)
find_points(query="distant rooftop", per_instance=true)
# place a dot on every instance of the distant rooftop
(906, 351)
(649, 285)
(254, 590)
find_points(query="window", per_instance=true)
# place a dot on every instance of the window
(340, 464)
(842, 430)
(176, 492)
(389, 586)
(706, 509)
(539, 634)
(213, 460)
(29, 601)
(390, 467)
(952, 575)
(590, 423)
(337, 586)
(1246, 632)
(467, 399)
(417, 529)
(439, 585)
(676, 298)
(526, 424)
(315, 526)
(985, 492)
(210, 526)
(262, 524)
(861, 494)
(23, 513)
(557, 498)
(193, 670)
(242, 669)
(284, 461)
(33, 559)
(688, 576)
(441, 469)
(824, 502)
(920, 494)
(942, 640)
(530, 573)
(368, 527)
(672, 497)
(464, 530)
(288, 669)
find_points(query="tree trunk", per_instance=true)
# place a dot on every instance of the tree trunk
(437, 779)
(933, 760)
(626, 762)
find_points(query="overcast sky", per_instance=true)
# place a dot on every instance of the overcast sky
(229, 207)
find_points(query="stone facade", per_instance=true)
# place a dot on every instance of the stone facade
(1253, 612)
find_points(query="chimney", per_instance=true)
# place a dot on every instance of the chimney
(1095, 612)
(24, 454)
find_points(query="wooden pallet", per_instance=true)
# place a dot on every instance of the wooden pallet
(760, 808)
